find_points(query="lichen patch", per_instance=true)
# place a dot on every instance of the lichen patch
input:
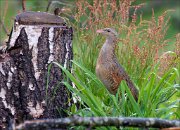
(51, 45)
(31, 86)
(15, 34)
(66, 56)
(36, 111)
(33, 41)
(9, 79)
(3, 96)
(1, 69)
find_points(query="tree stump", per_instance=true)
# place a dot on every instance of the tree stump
(27, 89)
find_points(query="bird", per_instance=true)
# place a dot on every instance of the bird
(108, 69)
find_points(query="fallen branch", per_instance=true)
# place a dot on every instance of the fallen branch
(98, 121)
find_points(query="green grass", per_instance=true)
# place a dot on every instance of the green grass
(157, 96)
(139, 51)
(140, 46)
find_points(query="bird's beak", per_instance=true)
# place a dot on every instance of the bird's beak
(99, 31)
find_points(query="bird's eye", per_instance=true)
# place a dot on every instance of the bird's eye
(108, 30)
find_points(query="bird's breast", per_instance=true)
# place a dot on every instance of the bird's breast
(103, 72)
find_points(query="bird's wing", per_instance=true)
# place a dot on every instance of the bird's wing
(118, 74)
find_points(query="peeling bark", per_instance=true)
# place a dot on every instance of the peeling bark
(35, 42)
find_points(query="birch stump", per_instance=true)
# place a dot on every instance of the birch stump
(37, 39)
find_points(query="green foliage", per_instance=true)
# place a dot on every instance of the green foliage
(140, 50)
(140, 44)
(156, 97)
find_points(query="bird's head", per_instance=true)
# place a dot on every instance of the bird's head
(108, 32)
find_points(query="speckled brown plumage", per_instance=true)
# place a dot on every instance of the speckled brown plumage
(109, 71)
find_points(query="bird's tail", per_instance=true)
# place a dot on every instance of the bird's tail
(132, 87)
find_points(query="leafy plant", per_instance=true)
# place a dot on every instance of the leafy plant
(155, 93)
(141, 51)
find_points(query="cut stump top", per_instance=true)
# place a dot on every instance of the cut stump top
(38, 18)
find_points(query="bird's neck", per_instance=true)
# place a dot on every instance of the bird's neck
(107, 53)
(110, 45)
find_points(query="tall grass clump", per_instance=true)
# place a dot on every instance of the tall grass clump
(140, 43)
(141, 50)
